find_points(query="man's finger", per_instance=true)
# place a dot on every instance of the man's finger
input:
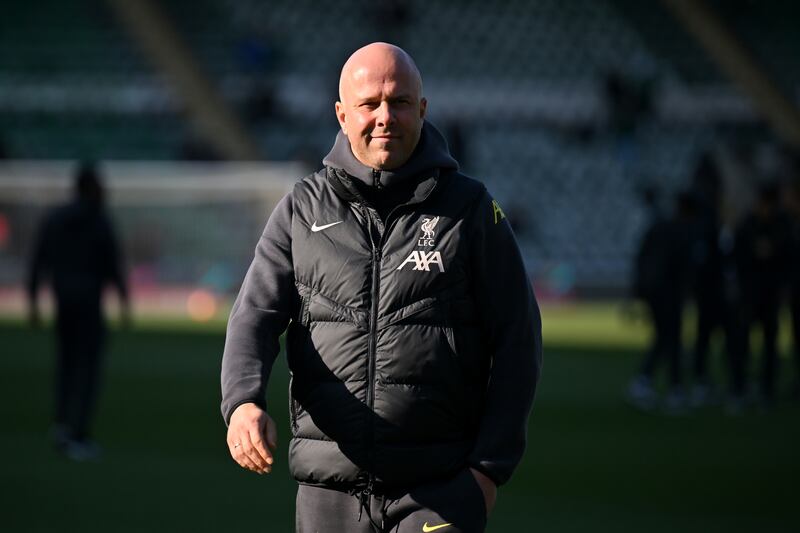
(259, 448)
(242, 451)
(247, 464)
(241, 458)
(249, 449)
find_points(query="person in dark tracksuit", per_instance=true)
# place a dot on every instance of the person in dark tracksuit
(414, 338)
(734, 321)
(708, 280)
(762, 244)
(662, 278)
(77, 250)
(794, 276)
(716, 291)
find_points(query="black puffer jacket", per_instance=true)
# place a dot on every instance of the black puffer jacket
(414, 341)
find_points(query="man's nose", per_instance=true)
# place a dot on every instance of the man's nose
(385, 114)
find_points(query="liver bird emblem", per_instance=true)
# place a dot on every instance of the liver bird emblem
(427, 227)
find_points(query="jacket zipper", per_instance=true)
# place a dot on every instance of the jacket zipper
(373, 337)
(293, 406)
(377, 257)
(373, 326)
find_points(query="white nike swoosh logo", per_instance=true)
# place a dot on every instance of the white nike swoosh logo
(316, 228)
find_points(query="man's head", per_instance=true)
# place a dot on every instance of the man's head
(380, 106)
(88, 187)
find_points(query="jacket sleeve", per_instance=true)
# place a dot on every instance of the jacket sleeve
(266, 302)
(512, 324)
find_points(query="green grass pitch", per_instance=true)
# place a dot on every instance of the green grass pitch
(592, 465)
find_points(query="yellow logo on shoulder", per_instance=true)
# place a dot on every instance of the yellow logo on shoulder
(498, 213)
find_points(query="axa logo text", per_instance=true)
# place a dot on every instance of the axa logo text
(423, 260)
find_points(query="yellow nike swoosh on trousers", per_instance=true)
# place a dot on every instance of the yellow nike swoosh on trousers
(426, 528)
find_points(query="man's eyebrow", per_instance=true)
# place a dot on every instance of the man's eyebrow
(370, 99)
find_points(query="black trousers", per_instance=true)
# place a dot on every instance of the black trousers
(762, 309)
(666, 312)
(454, 505)
(715, 311)
(710, 316)
(80, 333)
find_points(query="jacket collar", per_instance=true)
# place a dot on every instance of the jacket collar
(431, 153)
(343, 186)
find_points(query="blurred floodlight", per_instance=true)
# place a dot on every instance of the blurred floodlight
(201, 305)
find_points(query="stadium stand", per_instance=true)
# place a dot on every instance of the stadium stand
(72, 85)
(524, 82)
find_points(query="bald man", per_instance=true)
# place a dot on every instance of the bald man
(413, 335)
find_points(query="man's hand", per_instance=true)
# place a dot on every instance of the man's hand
(252, 438)
(488, 487)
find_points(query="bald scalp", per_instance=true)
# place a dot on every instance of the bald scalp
(377, 58)
(381, 108)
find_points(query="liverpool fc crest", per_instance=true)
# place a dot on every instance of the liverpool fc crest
(427, 231)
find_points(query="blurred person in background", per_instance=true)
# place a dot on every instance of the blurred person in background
(793, 198)
(76, 250)
(762, 250)
(717, 291)
(414, 337)
(662, 280)
(708, 280)
(734, 321)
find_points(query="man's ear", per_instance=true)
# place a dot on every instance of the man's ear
(340, 115)
(423, 107)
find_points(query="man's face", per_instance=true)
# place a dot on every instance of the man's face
(381, 112)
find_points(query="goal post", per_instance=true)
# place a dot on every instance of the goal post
(182, 227)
